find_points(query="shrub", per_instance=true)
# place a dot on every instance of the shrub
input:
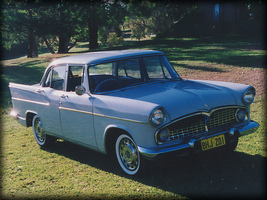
(113, 39)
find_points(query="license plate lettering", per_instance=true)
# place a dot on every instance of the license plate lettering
(212, 142)
(219, 141)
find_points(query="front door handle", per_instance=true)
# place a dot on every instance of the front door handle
(64, 96)
(39, 91)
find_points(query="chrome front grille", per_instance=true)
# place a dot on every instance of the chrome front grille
(221, 118)
(202, 123)
(187, 127)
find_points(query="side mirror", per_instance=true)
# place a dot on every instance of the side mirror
(80, 90)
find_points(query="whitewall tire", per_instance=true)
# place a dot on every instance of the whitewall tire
(40, 136)
(127, 154)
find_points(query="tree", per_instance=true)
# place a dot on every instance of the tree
(158, 17)
(32, 49)
(99, 14)
(59, 24)
(19, 22)
(138, 27)
(13, 33)
(62, 23)
(69, 15)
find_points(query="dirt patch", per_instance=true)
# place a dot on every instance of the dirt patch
(249, 76)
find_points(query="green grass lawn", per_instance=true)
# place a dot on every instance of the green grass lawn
(69, 171)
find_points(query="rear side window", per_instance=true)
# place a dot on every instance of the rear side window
(58, 78)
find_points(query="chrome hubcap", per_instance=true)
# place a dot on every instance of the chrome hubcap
(39, 131)
(128, 154)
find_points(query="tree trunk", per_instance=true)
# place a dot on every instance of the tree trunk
(32, 49)
(73, 45)
(48, 45)
(63, 44)
(93, 29)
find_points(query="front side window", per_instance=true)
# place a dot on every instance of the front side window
(129, 68)
(155, 68)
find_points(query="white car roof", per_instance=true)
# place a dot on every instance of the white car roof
(104, 56)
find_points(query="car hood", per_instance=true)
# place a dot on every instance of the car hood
(180, 98)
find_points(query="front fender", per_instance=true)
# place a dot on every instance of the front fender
(111, 132)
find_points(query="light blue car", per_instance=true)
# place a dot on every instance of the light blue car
(132, 103)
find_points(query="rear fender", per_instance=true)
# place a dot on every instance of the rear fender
(29, 116)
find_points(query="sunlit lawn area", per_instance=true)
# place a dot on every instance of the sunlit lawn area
(70, 171)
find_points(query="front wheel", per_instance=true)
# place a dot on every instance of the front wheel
(40, 136)
(127, 154)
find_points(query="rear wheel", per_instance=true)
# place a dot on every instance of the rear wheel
(127, 154)
(40, 136)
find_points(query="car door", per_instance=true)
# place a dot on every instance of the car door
(76, 111)
(53, 87)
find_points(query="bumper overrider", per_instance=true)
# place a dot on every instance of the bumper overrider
(193, 143)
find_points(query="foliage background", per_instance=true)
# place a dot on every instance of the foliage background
(34, 25)
(196, 50)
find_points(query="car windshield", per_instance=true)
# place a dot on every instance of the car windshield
(130, 72)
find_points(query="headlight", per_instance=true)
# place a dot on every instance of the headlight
(157, 117)
(249, 95)
(241, 115)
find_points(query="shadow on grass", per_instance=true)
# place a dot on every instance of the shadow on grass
(82, 45)
(203, 175)
(24, 73)
(235, 51)
(201, 68)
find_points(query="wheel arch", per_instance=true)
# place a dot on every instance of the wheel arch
(112, 132)
(29, 117)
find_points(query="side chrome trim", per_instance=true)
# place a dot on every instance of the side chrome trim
(30, 101)
(101, 115)
(75, 110)
(122, 119)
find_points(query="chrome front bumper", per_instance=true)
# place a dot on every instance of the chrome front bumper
(152, 153)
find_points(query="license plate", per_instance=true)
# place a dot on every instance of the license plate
(212, 142)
